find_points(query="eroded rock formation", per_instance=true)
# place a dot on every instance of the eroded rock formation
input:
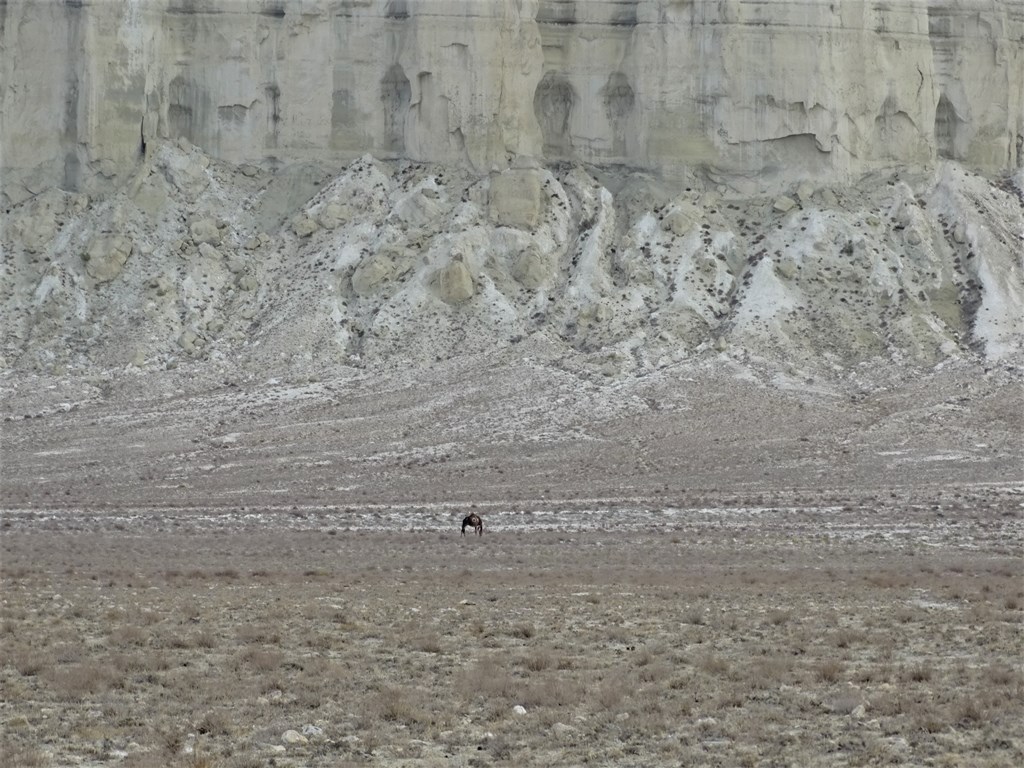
(751, 93)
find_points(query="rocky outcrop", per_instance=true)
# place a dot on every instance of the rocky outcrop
(752, 94)
(106, 256)
(428, 262)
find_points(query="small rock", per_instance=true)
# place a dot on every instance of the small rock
(204, 231)
(784, 204)
(207, 251)
(519, 709)
(805, 192)
(371, 274)
(562, 730)
(455, 283)
(682, 219)
(293, 738)
(334, 215)
(828, 197)
(276, 749)
(304, 226)
(312, 731)
(532, 269)
(187, 340)
(106, 256)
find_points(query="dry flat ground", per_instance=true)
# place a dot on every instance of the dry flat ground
(676, 572)
(800, 638)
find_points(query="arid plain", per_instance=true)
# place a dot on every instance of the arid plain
(687, 569)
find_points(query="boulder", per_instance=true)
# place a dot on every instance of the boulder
(204, 231)
(371, 273)
(682, 218)
(304, 226)
(515, 199)
(532, 269)
(784, 204)
(419, 209)
(106, 256)
(334, 214)
(454, 283)
(293, 738)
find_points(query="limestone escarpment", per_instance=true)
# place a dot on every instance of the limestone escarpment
(750, 93)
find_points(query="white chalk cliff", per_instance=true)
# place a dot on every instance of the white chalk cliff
(299, 184)
(750, 92)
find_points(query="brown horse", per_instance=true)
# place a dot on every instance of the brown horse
(473, 520)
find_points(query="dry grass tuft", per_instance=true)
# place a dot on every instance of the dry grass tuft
(829, 671)
(399, 704)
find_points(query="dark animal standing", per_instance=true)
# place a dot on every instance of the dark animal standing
(474, 521)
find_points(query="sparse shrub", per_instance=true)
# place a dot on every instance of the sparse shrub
(846, 637)
(969, 712)
(427, 642)
(25, 757)
(81, 680)
(845, 702)
(128, 635)
(257, 634)
(829, 671)
(540, 659)
(610, 692)
(523, 629)
(399, 704)
(1001, 674)
(262, 660)
(919, 673)
(500, 748)
(204, 639)
(694, 615)
(29, 663)
(550, 692)
(713, 665)
(768, 672)
(488, 679)
(886, 704)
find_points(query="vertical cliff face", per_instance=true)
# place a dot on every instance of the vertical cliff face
(752, 92)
